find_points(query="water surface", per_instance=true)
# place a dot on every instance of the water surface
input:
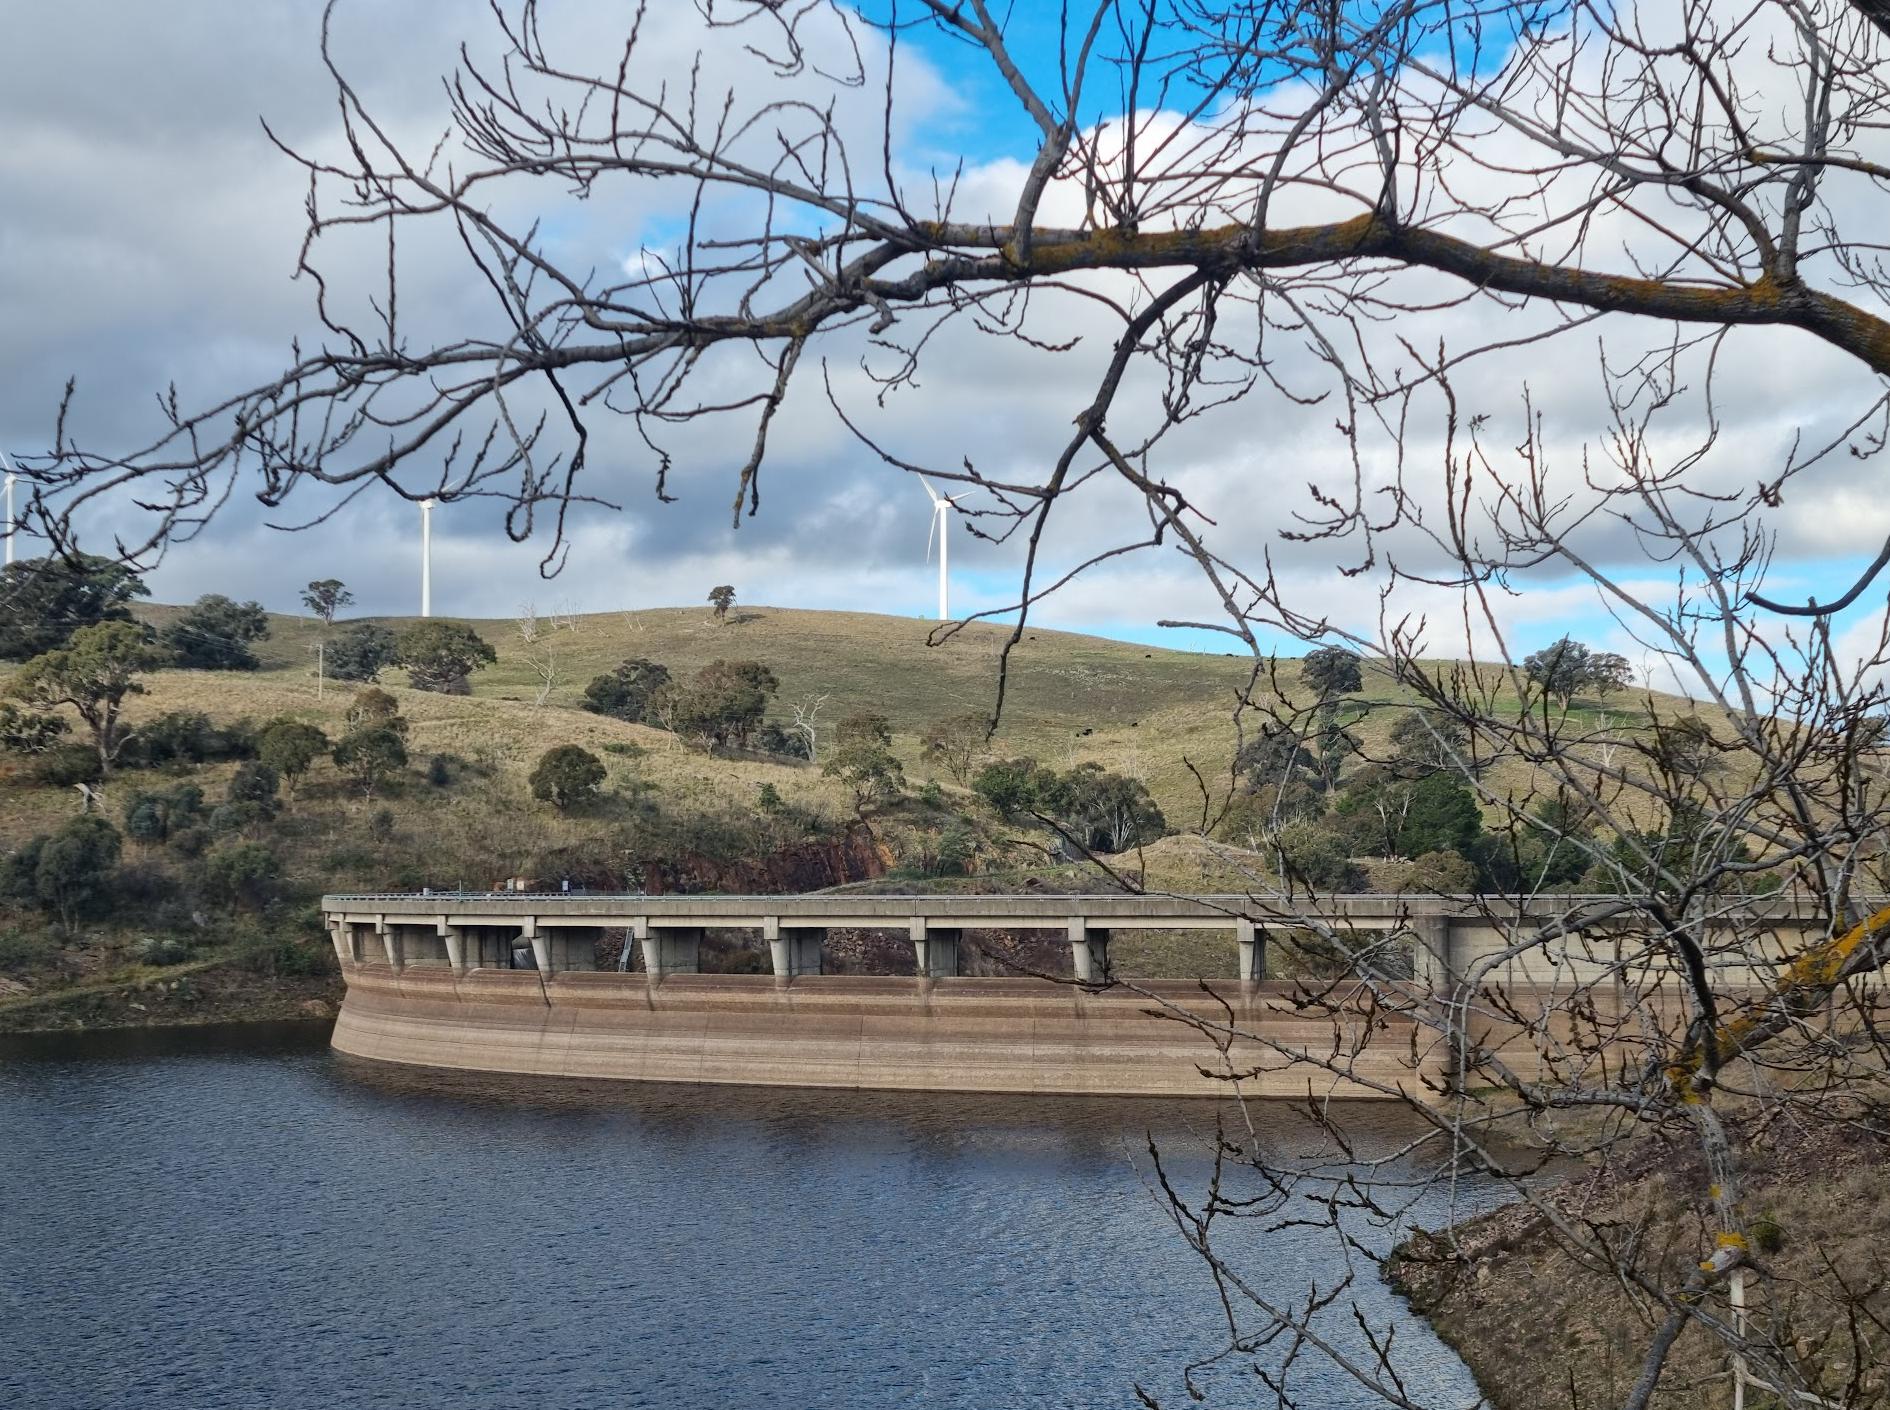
(199, 1223)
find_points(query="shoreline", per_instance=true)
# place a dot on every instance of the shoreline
(178, 997)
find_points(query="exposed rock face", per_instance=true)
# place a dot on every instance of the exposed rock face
(802, 866)
(798, 867)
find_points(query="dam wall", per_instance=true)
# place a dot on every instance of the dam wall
(941, 1035)
(500, 982)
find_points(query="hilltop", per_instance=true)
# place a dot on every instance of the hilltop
(1069, 698)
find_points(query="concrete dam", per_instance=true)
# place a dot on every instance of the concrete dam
(510, 982)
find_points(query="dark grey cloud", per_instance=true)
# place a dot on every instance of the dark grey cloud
(149, 230)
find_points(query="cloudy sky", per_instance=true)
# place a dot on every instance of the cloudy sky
(148, 232)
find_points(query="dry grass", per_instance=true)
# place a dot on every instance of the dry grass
(1538, 1328)
(1162, 715)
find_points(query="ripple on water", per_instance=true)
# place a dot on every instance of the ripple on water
(285, 1229)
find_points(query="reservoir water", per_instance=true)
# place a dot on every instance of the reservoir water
(196, 1223)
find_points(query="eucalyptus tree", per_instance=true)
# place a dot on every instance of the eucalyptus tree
(325, 597)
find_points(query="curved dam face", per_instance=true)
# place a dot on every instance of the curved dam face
(503, 982)
(942, 1035)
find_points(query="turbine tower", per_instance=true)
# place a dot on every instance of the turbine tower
(11, 477)
(426, 558)
(941, 506)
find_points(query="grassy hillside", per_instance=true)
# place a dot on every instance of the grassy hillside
(462, 813)
(1069, 698)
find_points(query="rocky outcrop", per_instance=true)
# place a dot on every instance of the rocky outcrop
(800, 867)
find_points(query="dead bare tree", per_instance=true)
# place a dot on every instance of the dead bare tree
(807, 723)
(538, 636)
(1363, 219)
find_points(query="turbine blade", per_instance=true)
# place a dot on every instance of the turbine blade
(931, 534)
(929, 490)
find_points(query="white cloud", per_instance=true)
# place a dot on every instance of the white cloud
(159, 228)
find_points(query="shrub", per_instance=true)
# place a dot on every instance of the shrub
(67, 765)
(214, 634)
(789, 744)
(1449, 873)
(190, 841)
(22, 950)
(371, 754)
(567, 774)
(241, 873)
(957, 847)
(724, 704)
(380, 826)
(438, 774)
(145, 821)
(177, 734)
(439, 656)
(159, 950)
(627, 692)
(374, 706)
(186, 736)
(769, 799)
(28, 731)
(1768, 1235)
(152, 817)
(862, 761)
(227, 818)
(290, 747)
(282, 957)
(67, 873)
(360, 653)
(1012, 786)
(254, 782)
(143, 887)
(1316, 855)
(624, 749)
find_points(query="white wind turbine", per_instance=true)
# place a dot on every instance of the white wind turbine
(426, 558)
(941, 506)
(11, 477)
